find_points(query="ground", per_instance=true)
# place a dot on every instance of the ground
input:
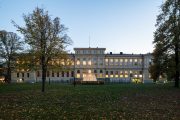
(111, 101)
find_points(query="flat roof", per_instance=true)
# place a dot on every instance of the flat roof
(90, 48)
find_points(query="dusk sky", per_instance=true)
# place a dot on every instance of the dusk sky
(117, 25)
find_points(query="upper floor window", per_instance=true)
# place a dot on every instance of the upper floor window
(78, 61)
(84, 61)
(89, 51)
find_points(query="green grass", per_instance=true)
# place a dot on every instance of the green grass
(114, 101)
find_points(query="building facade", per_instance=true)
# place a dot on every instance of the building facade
(104, 66)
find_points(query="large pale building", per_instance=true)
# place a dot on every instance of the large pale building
(109, 67)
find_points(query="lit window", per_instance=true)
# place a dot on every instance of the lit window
(89, 71)
(106, 61)
(130, 60)
(111, 75)
(107, 74)
(116, 61)
(100, 75)
(126, 76)
(121, 61)
(121, 74)
(111, 60)
(116, 74)
(135, 60)
(78, 75)
(84, 61)
(89, 62)
(78, 62)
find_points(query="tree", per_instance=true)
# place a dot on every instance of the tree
(10, 44)
(46, 37)
(167, 35)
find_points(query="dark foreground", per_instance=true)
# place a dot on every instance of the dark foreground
(116, 101)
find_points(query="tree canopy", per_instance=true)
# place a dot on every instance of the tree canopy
(10, 45)
(47, 38)
(167, 41)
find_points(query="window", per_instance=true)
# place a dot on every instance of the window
(106, 61)
(130, 60)
(107, 74)
(28, 75)
(52, 74)
(111, 75)
(17, 74)
(38, 74)
(125, 74)
(22, 74)
(72, 73)
(101, 71)
(116, 61)
(62, 73)
(116, 74)
(95, 60)
(84, 61)
(125, 61)
(111, 61)
(67, 74)
(89, 52)
(78, 61)
(78, 75)
(57, 74)
(84, 52)
(121, 74)
(47, 73)
(121, 61)
(95, 71)
(89, 61)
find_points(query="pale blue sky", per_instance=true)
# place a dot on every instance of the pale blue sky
(117, 25)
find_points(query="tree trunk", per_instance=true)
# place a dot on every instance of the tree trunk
(177, 66)
(8, 75)
(43, 72)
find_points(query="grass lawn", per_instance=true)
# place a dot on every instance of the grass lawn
(114, 101)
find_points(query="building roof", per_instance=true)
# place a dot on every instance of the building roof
(90, 48)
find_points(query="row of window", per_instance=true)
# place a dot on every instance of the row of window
(94, 61)
(71, 74)
(90, 52)
(57, 74)
(23, 75)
